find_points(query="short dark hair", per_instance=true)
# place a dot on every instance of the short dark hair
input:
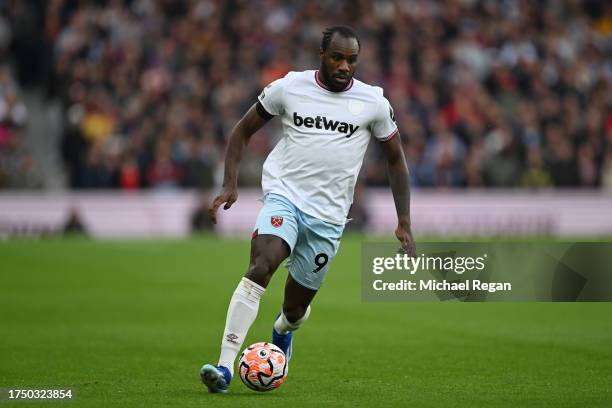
(344, 31)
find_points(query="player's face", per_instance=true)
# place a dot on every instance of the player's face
(338, 62)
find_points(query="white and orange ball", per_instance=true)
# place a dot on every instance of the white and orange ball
(262, 366)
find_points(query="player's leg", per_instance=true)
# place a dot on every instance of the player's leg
(317, 244)
(297, 300)
(296, 310)
(267, 253)
(275, 233)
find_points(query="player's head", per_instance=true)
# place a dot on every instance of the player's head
(338, 54)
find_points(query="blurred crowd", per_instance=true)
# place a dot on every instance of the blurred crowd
(486, 93)
(17, 169)
(16, 163)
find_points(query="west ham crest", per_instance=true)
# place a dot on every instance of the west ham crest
(276, 221)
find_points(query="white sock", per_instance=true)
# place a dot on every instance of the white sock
(283, 326)
(241, 314)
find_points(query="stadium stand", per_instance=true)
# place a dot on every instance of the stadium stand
(486, 93)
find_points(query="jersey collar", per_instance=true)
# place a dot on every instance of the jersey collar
(322, 85)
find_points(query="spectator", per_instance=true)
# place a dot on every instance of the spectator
(163, 172)
(74, 225)
(535, 175)
(17, 166)
(607, 170)
(200, 219)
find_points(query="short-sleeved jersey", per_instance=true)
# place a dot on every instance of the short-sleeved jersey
(325, 137)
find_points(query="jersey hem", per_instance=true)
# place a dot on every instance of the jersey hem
(298, 204)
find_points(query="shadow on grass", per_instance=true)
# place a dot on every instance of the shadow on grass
(232, 394)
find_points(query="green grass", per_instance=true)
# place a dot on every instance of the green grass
(130, 323)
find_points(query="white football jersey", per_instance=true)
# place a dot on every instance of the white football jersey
(325, 137)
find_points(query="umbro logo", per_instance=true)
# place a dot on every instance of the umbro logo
(321, 122)
(231, 337)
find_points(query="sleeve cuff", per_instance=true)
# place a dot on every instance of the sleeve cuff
(389, 137)
(263, 112)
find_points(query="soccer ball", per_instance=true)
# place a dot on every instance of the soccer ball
(262, 366)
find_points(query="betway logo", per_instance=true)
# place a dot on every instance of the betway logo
(321, 122)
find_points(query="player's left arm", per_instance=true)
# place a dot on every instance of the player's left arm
(399, 180)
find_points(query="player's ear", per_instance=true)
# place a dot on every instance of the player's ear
(321, 52)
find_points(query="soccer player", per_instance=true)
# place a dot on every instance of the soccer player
(308, 181)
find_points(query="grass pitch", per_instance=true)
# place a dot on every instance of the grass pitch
(130, 323)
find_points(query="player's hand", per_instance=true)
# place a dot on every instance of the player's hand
(227, 196)
(404, 235)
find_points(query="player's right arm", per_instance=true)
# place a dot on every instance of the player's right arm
(250, 123)
(270, 103)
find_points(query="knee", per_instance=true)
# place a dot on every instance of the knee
(261, 270)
